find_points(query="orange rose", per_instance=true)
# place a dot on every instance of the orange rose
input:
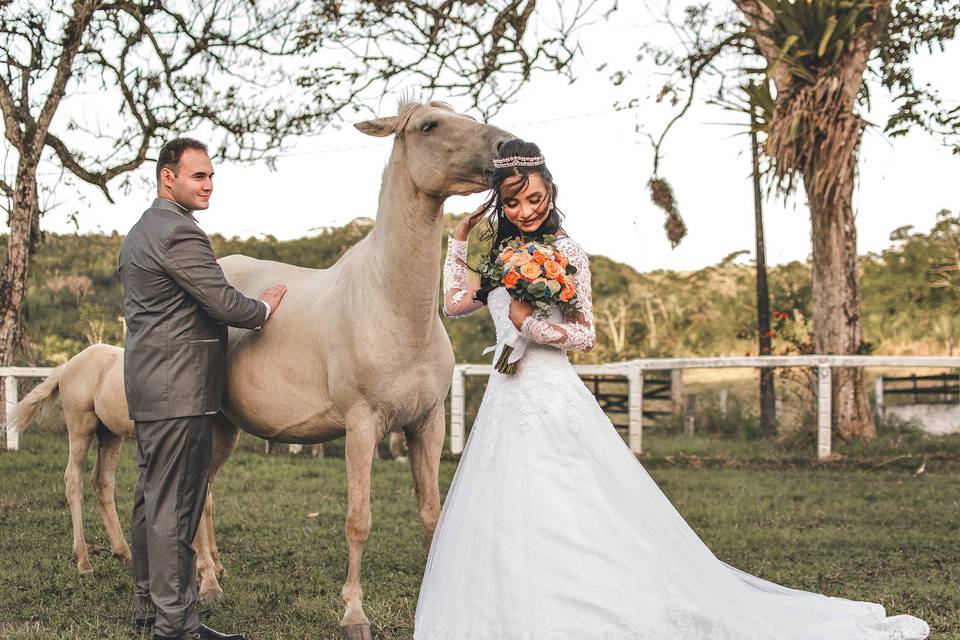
(520, 258)
(562, 278)
(560, 260)
(539, 257)
(510, 280)
(506, 254)
(531, 270)
(553, 270)
(567, 293)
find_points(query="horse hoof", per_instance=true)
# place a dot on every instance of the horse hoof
(356, 632)
(83, 566)
(125, 558)
(209, 595)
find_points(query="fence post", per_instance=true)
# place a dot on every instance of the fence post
(824, 410)
(878, 397)
(676, 390)
(457, 411)
(10, 397)
(690, 414)
(635, 403)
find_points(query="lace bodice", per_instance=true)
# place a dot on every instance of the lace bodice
(568, 334)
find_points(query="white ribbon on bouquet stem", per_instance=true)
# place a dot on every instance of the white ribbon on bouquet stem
(515, 341)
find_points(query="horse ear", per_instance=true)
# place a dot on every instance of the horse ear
(380, 127)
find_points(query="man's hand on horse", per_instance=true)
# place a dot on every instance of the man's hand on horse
(273, 296)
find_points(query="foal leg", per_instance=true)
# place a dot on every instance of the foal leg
(209, 589)
(80, 429)
(363, 431)
(426, 445)
(104, 487)
(225, 437)
(398, 445)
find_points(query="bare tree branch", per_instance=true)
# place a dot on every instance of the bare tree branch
(73, 35)
(11, 128)
(483, 51)
(97, 178)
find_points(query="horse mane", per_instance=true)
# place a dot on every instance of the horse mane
(408, 107)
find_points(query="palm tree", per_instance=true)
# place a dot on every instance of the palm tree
(817, 52)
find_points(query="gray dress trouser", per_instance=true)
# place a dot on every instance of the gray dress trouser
(174, 457)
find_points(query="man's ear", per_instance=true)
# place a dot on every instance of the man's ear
(380, 127)
(166, 172)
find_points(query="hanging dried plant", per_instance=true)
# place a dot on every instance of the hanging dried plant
(661, 193)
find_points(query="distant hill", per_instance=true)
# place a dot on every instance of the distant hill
(75, 297)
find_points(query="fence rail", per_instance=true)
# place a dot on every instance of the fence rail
(632, 370)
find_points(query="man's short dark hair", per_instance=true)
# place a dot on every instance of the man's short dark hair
(171, 152)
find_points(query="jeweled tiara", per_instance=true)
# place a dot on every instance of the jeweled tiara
(518, 161)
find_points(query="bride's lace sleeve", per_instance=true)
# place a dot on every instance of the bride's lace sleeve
(577, 334)
(457, 293)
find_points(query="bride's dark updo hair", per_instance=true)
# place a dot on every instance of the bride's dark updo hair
(499, 227)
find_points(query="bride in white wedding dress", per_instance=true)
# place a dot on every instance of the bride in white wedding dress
(551, 529)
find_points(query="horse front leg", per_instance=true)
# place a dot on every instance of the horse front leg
(363, 430)
(426, 445)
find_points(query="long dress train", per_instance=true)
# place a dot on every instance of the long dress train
(552, 530)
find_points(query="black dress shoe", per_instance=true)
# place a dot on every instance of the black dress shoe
(141, 624)
(203, 632)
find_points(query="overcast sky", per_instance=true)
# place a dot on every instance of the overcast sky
(600, 164)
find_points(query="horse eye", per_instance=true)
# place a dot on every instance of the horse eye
(427, 126)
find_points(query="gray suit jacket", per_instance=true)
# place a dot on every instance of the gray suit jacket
(177, 305)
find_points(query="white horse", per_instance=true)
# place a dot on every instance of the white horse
(358, 349)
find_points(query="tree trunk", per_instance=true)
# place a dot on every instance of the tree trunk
(20, 245)
(836, 304)
(768, 408)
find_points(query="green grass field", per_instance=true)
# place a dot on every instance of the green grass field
(867, 527)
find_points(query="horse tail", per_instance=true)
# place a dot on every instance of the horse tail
(24, 411)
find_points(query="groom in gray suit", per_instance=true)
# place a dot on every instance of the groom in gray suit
(177, 306)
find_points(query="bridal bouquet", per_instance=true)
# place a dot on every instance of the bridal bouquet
(536, 273)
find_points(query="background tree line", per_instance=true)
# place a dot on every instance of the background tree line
(75, 298)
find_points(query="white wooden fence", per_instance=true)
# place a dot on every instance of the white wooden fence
(632, 370)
